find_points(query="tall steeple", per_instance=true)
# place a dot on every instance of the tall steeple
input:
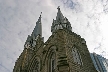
(59, 15)
(37, 32)
(61, 22)
(38, 28)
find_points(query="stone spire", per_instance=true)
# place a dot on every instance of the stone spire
(37, 32)
(59, 16)
(61, 22)
(38, 28)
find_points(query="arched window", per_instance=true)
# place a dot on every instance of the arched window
(52, 62)
(52, 59)
(76, 55)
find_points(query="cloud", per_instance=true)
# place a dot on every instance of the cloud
(88, 18)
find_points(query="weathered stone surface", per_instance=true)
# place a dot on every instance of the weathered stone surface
(64, 51)
(61, 43)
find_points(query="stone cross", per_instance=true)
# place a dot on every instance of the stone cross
(58, 8)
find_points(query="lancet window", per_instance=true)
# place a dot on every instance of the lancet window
(52, 59)
(52, 63)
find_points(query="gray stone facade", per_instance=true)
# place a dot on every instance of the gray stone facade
(64, 51)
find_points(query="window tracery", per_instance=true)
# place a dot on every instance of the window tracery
(36, 65)
(76, 55)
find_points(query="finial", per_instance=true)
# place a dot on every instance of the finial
(39, 20)
(40, 14)
(58, 8)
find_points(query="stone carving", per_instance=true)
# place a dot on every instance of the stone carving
(60, 22)
(27, 45)
(83, 41)
(36, 66)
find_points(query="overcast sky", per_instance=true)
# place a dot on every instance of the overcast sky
(88, 18)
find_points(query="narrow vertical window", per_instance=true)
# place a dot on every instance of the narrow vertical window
(52, 59)
(52, 63)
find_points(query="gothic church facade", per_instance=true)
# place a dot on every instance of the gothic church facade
(64, 51)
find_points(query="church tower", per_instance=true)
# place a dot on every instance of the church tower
(64, 51)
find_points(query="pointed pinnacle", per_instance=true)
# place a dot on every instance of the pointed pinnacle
(40, 14)
(58, 8)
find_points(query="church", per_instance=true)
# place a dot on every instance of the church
(64, 51)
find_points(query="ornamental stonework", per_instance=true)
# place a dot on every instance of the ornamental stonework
(64, 51)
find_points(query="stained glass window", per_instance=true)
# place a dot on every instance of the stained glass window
(76, 55)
